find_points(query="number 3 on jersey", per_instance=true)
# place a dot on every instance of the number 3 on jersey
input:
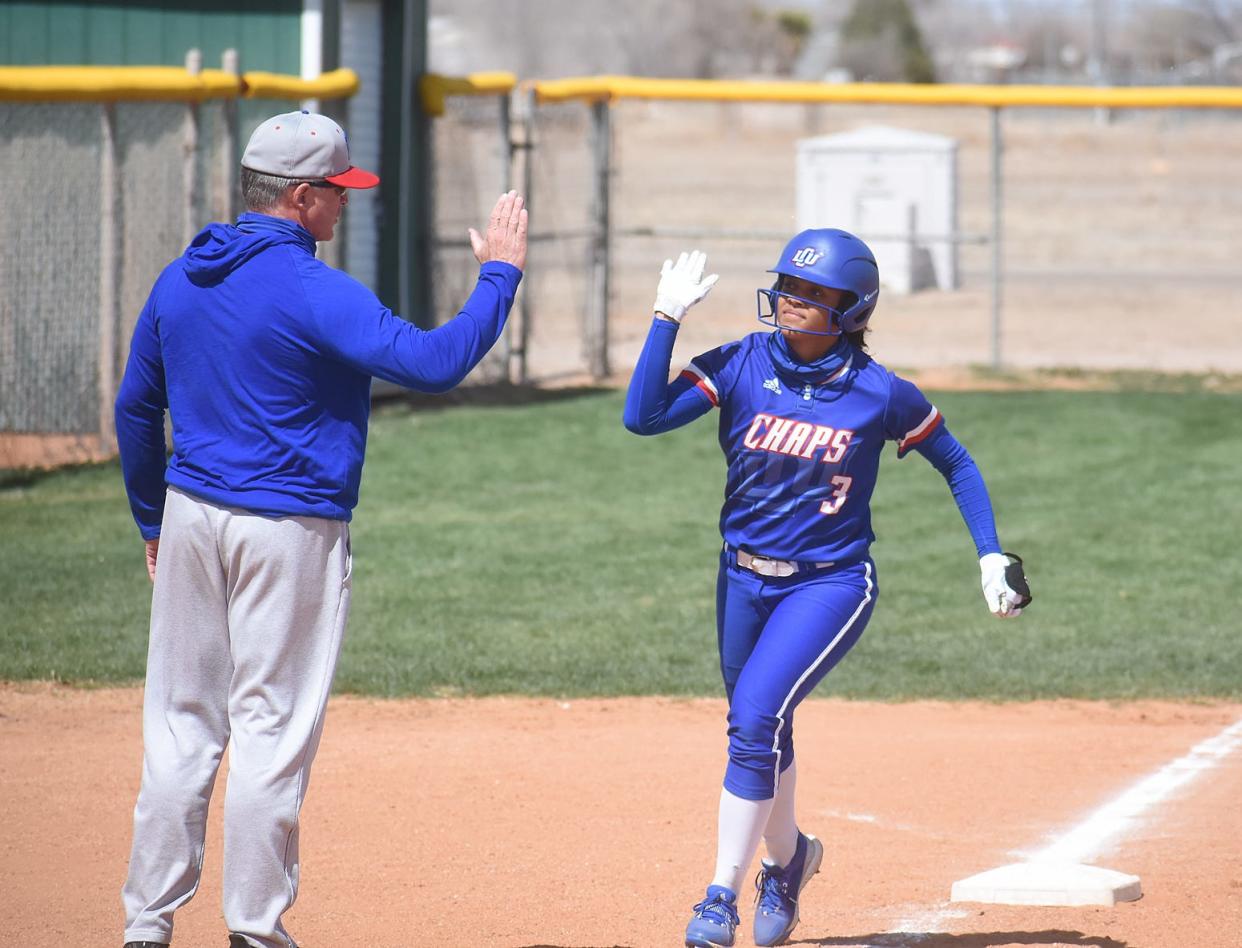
(833, 504)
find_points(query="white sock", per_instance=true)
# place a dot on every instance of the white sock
(780, 836)
(739, 827)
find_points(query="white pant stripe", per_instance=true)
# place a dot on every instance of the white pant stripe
(819, 660)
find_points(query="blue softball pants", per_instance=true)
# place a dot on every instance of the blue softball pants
(778, 638)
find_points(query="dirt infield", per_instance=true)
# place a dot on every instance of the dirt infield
(591, 823)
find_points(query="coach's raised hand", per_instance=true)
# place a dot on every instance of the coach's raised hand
(505, 237)
(682, 285)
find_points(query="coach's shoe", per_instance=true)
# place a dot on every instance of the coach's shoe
(715, 919)
(777, 889)
(146, 944)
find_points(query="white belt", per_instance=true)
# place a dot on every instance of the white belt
(766, 566)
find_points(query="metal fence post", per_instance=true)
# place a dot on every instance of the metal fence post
(109, 274)
(229, 175)
(597, 309)
(506, 141)
(194, 66)
(507, 152)
(997, 255)
(526, 148)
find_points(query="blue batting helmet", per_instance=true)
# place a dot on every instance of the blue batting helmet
(833, 258)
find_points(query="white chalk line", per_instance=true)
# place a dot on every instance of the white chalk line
(1089, 838)
(882, 824)
(1092, 837)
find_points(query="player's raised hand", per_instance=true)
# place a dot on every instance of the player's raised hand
(682, 284)
(505, 236)
(999, 578)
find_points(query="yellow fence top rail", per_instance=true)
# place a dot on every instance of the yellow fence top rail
(435, 88)
(611, 88)
(163, 83)
(337, 84)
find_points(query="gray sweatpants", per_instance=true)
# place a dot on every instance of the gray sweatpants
(247, 618)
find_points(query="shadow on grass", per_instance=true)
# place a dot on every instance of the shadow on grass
(1116, 380)
(969, 940)
(16, 478)
(499, 395)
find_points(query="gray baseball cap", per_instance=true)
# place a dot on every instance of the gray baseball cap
(304, 145)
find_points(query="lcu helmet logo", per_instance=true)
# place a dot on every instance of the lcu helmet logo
(806, 257)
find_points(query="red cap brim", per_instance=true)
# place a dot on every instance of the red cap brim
(354, 178)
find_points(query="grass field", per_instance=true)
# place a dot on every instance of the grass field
(536, 547)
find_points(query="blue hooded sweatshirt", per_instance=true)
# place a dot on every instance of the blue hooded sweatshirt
(263, 356)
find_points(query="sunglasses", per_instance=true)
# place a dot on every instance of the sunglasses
(340, 190)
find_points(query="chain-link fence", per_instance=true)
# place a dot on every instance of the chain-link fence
(470, 168)
(482, 146)
(98, 198)
(1118, 248)
(555, 309)
(1120, 238)
(49, 267)
(1085, 239)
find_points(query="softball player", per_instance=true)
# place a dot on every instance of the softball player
(804, 414)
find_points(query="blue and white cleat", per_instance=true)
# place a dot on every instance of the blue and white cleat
(777, 890)
(715, 919)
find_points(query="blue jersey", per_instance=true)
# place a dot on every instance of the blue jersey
(263, 356)
(802, 442)
(803, 457)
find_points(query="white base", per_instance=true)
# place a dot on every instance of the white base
(1032, 883)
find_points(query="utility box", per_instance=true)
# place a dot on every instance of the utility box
(894, 188)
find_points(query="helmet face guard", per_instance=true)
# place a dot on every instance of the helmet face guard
(832, 258)
(771, 318)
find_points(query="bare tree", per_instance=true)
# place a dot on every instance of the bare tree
(1182, 39)
(554, 38)
(1224, 18)
(722, 38)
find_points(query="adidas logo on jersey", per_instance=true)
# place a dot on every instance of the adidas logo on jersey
(772, 385)
(806, 257)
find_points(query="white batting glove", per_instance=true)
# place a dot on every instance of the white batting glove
(1002, 600)
(682, 285)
